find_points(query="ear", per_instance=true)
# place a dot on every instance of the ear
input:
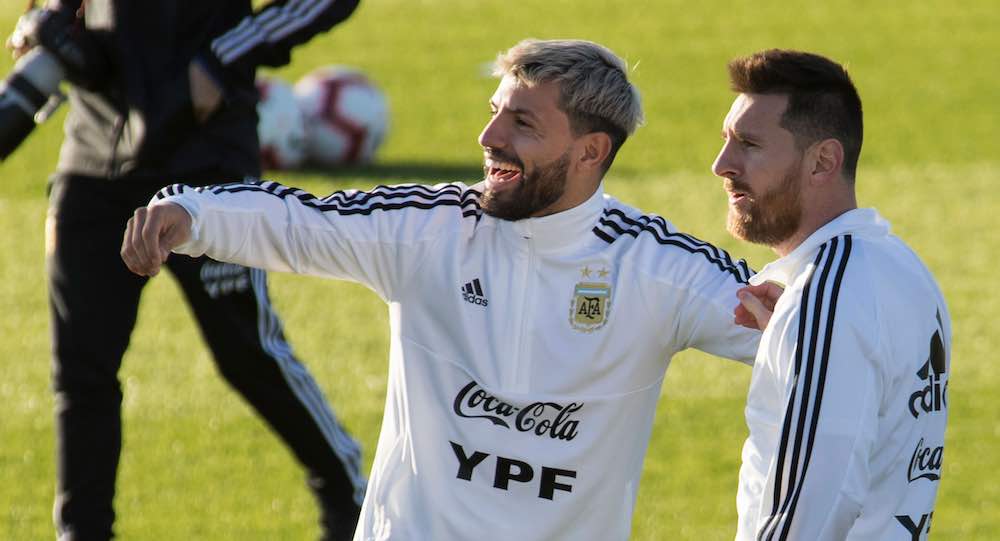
(827, 161)
(594, 148)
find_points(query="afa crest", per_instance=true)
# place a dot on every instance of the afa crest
(591, 302)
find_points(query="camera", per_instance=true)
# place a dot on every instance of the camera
(54, 48)
(28, 96)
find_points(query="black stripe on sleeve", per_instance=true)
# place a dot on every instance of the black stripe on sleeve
(615, 224)
(167, 191)
(603, 236)
(350, 202)
(806, 384)
(815, 333)
(280, 25)
(779, 490)
(820, 386)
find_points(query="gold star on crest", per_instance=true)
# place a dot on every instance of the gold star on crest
(603, 273)
(585, 272)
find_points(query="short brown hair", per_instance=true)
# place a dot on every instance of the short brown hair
(822, 101)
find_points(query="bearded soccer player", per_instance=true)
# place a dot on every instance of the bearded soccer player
(848, 399)
(532, 316)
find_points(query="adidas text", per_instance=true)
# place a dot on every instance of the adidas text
(472, 292)
(474, 299)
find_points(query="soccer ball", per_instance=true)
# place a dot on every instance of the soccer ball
(280, 125)
(346, 115)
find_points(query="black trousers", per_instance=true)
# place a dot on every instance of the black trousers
(94, 300)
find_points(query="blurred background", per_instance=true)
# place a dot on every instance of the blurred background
(198, 465)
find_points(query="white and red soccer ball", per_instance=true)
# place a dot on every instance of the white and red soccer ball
(280, 125)
(333, 116)
(346, 115)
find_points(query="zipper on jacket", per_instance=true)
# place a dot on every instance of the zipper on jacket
(522, 358)
(114, 168)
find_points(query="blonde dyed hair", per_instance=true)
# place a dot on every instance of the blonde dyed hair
(594, 89)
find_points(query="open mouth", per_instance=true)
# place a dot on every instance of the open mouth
(736, 197)
(736, 193)
(501, 174)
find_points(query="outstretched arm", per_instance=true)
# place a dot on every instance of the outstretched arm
(263, 225)
(378, 237)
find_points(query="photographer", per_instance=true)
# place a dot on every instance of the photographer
(162, 91)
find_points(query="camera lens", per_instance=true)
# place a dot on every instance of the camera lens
(35, 78)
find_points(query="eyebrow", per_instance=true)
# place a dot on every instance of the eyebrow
(743, 135)
(520, 112)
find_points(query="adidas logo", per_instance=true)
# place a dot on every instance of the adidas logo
(472, 292)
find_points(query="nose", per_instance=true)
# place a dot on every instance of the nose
(492, 135)
(725, 164)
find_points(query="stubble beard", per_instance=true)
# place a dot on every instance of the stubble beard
(774, 216)
(534, 192)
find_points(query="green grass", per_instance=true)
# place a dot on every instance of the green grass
(198, 465)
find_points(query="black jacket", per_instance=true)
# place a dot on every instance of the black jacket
(137, 121)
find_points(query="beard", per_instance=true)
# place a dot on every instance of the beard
(533, 193)
(772, 217)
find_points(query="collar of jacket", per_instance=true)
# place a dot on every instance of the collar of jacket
(864, 222)
(560, 230)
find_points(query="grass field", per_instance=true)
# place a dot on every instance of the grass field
(198, 465)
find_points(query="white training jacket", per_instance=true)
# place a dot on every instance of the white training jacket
(848, 398)
(526, 358)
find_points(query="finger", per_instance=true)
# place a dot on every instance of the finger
(133, 248)
(126, 252)
(755, 307)
(744, 318)
(767, 293)
(145, 261)
(151, 231)
(771, 292)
